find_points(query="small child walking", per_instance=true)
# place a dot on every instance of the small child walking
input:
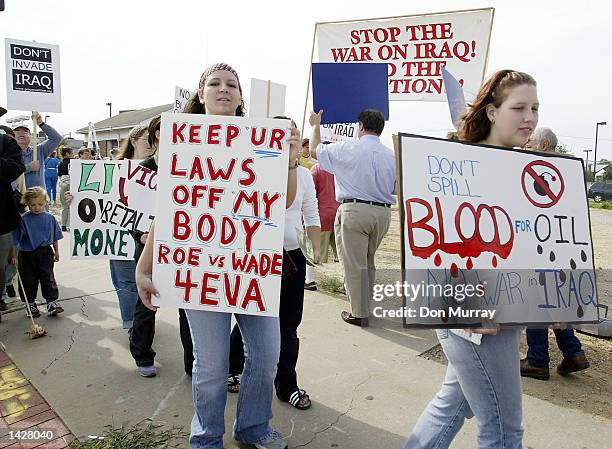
(36, 240)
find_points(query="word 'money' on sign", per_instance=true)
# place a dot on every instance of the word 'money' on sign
(221, 202)
(100, 224)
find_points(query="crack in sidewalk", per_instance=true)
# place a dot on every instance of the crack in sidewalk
(71, 337)
(349, 409)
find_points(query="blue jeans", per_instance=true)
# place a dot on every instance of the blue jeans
(537, 342)
(210, 332)
(122, 275)
(481, 380)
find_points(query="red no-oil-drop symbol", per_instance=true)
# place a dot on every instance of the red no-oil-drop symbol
(542, 184)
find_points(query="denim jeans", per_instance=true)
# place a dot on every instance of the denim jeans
(483, 381)
(122, 275)
(210, 332)
(537, 342)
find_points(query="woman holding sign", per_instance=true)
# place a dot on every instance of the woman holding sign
(483, 374)
(137, 147)
(220, 93)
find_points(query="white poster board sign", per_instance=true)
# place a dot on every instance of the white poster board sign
(511, 223)
(99, 224)
(415, 48)
(32, 76)
(267, 99)
(181, 97)
(339, 131)
(135, 191)
(221, 200)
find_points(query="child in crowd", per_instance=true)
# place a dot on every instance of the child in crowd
(36, 240)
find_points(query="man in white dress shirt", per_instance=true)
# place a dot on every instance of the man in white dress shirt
(364, 172)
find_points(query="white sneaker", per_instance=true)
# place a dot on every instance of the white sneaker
(274, 440)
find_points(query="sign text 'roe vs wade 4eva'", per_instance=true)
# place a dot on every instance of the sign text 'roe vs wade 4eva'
(220, 213)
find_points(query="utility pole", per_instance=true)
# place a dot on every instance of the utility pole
(586, 169)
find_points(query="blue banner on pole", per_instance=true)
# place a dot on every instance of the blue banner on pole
(344, 90)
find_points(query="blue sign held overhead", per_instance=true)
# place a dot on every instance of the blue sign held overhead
(344, 90)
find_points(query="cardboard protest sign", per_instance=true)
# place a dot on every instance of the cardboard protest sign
(32, 76)
(181, 97)
(221, 202)
(513, 225)
(344, 90)
(415, 49)
(99, 224)
(136, 188)
(267, 99)
(339, 131)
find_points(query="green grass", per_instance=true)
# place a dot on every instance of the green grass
(330, 283)
(603, 205)
(144, 435)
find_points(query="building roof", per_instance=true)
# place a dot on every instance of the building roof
(127, 119)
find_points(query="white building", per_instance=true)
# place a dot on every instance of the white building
(111, 132)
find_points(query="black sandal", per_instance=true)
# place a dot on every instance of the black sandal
(295, 399)
(233, 383)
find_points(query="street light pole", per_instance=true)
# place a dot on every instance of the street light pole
(110, 109)
(595, 153)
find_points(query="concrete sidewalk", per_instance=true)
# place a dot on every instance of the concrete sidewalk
(368, 386)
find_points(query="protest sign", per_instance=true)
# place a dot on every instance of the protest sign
(32, 76)
(267, 99)
(514, 225)
(99, 224)
(339, 131)
(344, 90)
(221, 202)
(415, 49)
(135, 191)
(454, 96)
(181, 97)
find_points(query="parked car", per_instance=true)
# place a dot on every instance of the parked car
(600, 191)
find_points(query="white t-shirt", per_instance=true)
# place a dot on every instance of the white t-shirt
(304, 206)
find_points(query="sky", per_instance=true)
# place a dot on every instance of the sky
(133, 53)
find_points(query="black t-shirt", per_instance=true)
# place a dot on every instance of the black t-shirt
(62, 168)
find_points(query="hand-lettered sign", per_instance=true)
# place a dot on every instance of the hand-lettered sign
(135, 191)
(32, 76)
(221, 212)
(415, 49)
(181, 97)
(99, 224)
(512, 224)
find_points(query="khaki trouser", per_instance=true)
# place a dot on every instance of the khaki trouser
(328, 239)
(359, 230)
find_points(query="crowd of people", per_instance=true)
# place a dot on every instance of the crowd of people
(341, 195)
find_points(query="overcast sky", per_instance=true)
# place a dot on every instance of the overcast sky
(132, 53)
